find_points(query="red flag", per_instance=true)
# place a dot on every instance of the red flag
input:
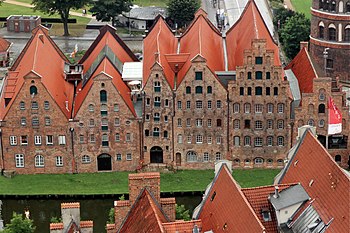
(334, 118)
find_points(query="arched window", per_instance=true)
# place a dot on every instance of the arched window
(337, 158)
(103, 96)
(333, 6)
(236, 124)
(156, 132)
(321, 123)
(33, 90)
(348, 7)
(247, 162)
(188, 90)
(321, 30)
(209, 90)
(258, 75)
(279, 162)
(332, 32)
(311, 122)
(91, 108)
(22, 105)
(258, 90)
(247, 141)
(249, 75)
(322, 95)
(199, 90)
(165, 134)
(321, 108)
(236, 162)
(218, 156)
(39, 161)
(85, 159)
(258, 161)
(321, 4)
(280, 141)
(269, 161)
(247, 108)
(347, 33)
(275, 91)
(191, 156)
(236, 108)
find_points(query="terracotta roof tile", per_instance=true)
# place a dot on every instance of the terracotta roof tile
(33, 59)
(86, 224)
(323, 180)
(182, 226)
(249, 26)
(159, 42)
(170, 200)
(151, 218)
(56, 226)
(70, 205)
(146, 175)
(4, 45)
(122, 203)
(303, 70)
(258, 199)
(226, 209)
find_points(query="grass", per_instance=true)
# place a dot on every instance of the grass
(161, 3)
(302, 6)
(117, 182)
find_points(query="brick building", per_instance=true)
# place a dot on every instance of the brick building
(330, 37)
(313, 108)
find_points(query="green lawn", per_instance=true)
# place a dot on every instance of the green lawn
(117, 182)
(302, 6)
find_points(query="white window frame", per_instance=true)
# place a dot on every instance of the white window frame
(117, 137)
(39, 161)
(37, 140)
(199, 123)
(119, 157)
(61, 139)
(49, 142)
(199, 139)
(128, 157)
(206, 157)
(128, 137)
(92, 138)
(24, 143)
(280, 141)
(189, 139)
(218, 140)
(59, 161)
(237, 141)
(13, 140)
(188, 104)
(179, 139)
(247, 141)
(23, 121)
(259, 108)
(86, 159)
(209, 123)
(247, 108)
(280, 108)
(209, 140)
(269, 140)
(116, 108)
(218, 156)
(19, 160)
(199, 104)
(236, 107)
(258, 142)
(258, 125)
(269, 108)
(218, 104)
(209, 104)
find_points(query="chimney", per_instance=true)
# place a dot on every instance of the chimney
(156, 57)
(276, 195)
(304, 44)
(139, 181)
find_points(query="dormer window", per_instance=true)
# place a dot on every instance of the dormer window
(33, 90)
(265, 212)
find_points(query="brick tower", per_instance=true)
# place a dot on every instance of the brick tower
(330, 37)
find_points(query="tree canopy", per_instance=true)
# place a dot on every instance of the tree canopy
(62, 7)
(182, 213)
(19, 224)
(182, 11)
(107, 10)
(295, 29)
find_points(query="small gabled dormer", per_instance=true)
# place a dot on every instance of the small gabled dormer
(73, 72)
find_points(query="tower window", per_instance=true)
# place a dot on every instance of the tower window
(331, 34)
(321, 32)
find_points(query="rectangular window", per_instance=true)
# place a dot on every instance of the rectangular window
(241, 91)
(209, 123)
(179, 105)
(81, 138)
(258, 125)
(117, 137)
(104, 124)
(249, 92)
(19, 160)
(258, 108)
(179, 138)
(258, 142)
(269, 108)
(35, 121)
(62, 140)
(205, 157)
(199, 104)
(157, 102)
(13, 140)
(188, 122)
(270, 124)
(247, 124)
(258, 60)
(47, 121)
(91, 122)
(92, 138)
(116, 121)
(237, 140)
(270, 141)
(247, 141)
(49, 140)
(188, 104)
(156, 86)
(218, 104)
(35, 105)
(119, 157)
(37, 140)
(128, 157)
(23, 121)
(218, 140)
(209, 140)
(116, 107)
(24, 140)
(199, 75)
(179, 122)
(46, 105)
(209, 104)
(128, 137)
(280, 108)
(166, 103)
(199, 123)
(189, 139)
(59, 161)
(156, 117)
(199, 139)
(258, 90)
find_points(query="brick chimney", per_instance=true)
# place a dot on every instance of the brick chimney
(121, 209)
(168, 206)
(139, 181)
(304, 44)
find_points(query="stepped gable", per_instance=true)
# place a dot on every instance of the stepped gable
(303, 70)
(34, 59)
(249, 26)
(4, 45)
(204, 39)
(159, 42)
(323, 180)
(151, 218)
(258, 200)
(226, 209)
(107, 68)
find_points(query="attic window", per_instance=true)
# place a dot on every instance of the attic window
(213, 196)
(199, 76)
(33, 90)
(266, 214)
(102, 84)
(258, 60)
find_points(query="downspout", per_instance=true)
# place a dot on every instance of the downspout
(228, 124)
(173, 117)
(74, 168)
(2, 154)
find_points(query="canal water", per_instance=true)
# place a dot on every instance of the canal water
(96, 209)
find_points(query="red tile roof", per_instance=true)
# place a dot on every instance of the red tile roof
(159, 42)
(226, 209)
(70, 205)
(86, 224)
(56, 226)
(239, 37)
(182, 226)
(4, 45)
(303, 70)
(202, 38)
(258, 199)
(323, 179)
(33, 59)
(144, 216)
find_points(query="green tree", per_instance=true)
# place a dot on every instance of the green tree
(107, 10)
(296, 29)
(182, 213)
(182, 11)
(280, 16)
(111, 218)
(62, 7)
(19, 224)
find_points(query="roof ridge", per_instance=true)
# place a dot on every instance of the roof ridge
(271, 186)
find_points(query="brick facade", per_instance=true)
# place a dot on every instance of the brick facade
(330, 31)
(259, 110)
(34, 125)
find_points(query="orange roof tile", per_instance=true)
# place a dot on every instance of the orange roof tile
(151, 218)
(159, 42)
(202, 38)
(70, 205)
(303, 70)
(323, 180)
(86, 224)
(33, 59)
(249, 26)
(4, 45)
(122, 203)
(258, 199)
(182, 226)
(226, 209)
(169, 200)
(145, 175)
(56, 226)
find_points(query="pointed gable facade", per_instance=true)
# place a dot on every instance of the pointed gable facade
(106, 125)
(35, 107)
